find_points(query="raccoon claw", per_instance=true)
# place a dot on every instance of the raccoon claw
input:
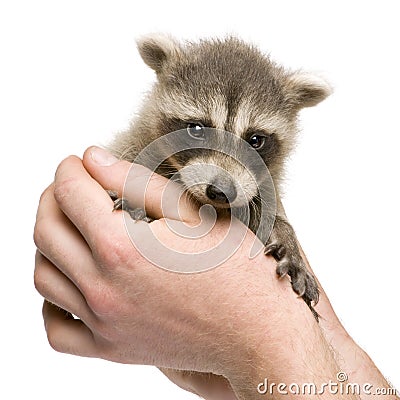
(276, 250)
(303, 283)
(137, 214)
(282, 268)
(119, 203)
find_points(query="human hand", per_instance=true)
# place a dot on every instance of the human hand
(83, 247)
(78, 233)
(352, 360)
(234, 321)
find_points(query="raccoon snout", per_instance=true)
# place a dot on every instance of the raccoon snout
(221, 193)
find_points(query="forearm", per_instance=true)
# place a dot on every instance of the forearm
(302, 366)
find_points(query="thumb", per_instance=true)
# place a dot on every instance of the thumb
(141, 187)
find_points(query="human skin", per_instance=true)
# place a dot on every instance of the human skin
(349, 356)
(235, 325)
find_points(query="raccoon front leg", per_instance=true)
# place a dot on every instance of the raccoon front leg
(282, 245)
(137, 214)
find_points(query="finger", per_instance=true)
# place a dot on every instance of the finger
(142, 188)
(67, 335)
(57, 288)
(58, 239)
(84, 201)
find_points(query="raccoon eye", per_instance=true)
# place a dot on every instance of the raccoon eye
(257, 141)
(195, 130)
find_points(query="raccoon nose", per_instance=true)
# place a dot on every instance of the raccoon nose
(221, 194)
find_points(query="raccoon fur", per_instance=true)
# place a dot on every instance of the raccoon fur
(228, 85)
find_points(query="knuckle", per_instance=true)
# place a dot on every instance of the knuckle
(41, 277)
(48, 191)
(65, 164)
(37, 235)
(54, 337)
(102, 301)
(113, 251)
(40, 230)
(41, 233)
(64, 183)
(38, 279)
(64, 188)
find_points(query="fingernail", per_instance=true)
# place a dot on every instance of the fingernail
(102, 157)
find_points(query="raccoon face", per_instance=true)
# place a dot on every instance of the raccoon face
(229, 86)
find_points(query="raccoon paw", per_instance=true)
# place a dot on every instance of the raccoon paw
(276, 250)
(137, 214)
(303, 282)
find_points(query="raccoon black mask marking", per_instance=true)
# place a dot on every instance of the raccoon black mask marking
(231, 86)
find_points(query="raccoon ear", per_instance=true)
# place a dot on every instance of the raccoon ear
(306, 90)
(156, 49)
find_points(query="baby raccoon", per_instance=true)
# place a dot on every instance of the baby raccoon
(227, 85)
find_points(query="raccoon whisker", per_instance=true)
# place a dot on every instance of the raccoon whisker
(259, 198)
(262, 202)
(191, 197)
(254, 207)
(168, 175)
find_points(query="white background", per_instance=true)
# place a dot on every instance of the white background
(70, 76)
